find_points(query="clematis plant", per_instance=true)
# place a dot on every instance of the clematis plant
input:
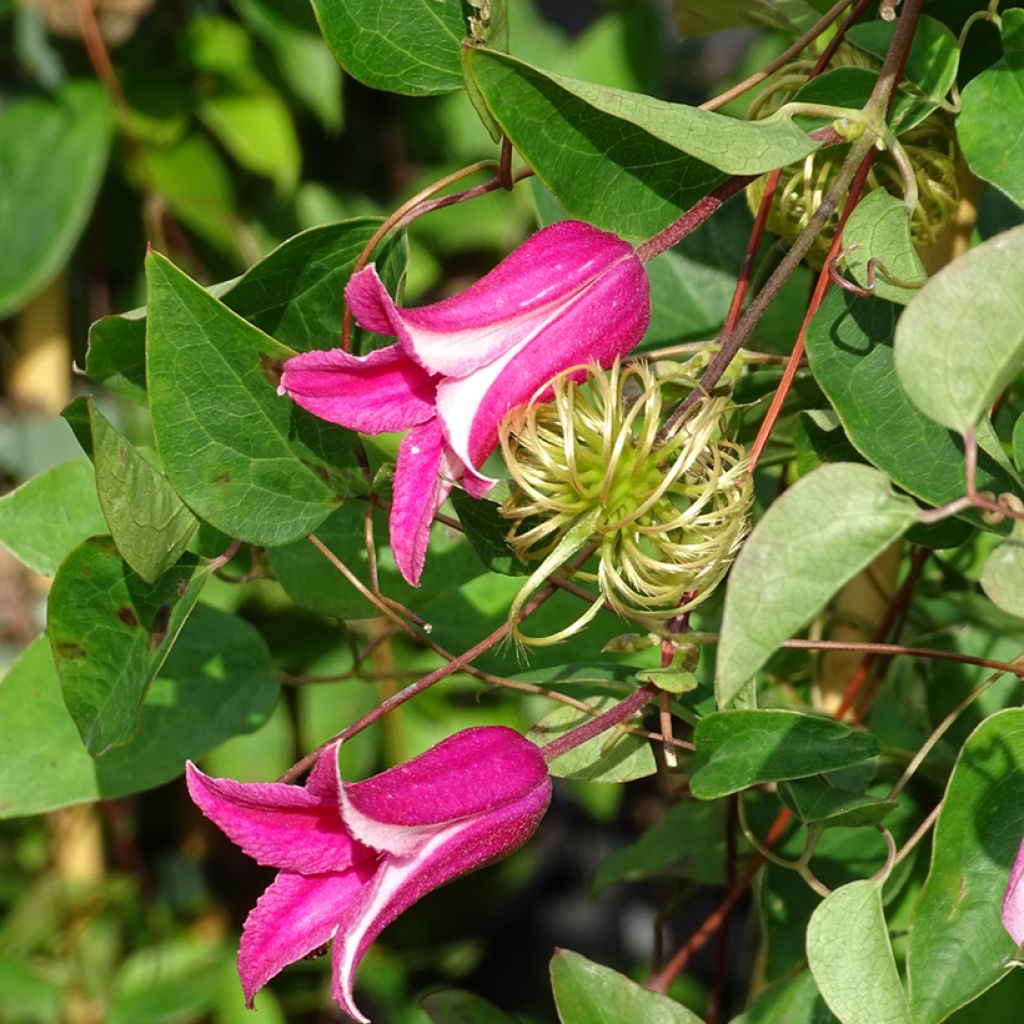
(570, 295)
(354, 855)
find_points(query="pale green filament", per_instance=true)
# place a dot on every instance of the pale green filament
(664, 519)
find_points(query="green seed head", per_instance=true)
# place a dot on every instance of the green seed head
(665, 515)
(930, 147)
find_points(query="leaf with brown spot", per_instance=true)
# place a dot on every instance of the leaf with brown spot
(104, 660)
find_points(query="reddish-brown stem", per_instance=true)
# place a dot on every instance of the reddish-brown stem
(772, 181)
(588, 730)
(693, 218)
(746, 273)
(899, 603)
(820, 287)
(664, 978)
(96, 48)
(791, 51)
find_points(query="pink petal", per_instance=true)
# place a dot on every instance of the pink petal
(598, 323)
(474, 772)
(506, 308)
(293, 917)
(277, 825)
(400, 882)
(1013, 902)
(382, 391)
(424, 475)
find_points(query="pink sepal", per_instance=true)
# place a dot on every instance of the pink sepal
(277, 825)
(1013, 902)
(382, 391)
(295, 915)
(482, 768)
(505, 308)
(445, 854)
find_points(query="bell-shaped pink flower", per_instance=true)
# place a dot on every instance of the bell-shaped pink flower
(354, 855)
(568, 296)
(1013, 901)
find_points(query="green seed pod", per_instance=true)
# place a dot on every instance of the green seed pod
(930, 147)
(665, 516)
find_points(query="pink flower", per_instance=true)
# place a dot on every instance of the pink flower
(1013, 901)
(570, 295)
(355, 855)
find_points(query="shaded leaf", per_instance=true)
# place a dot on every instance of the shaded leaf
(1002, 577)
(658, 853)
(455, 1006)
(816, 537)
(485, 530)
(958, 947)
(988, 127)
(110, 632)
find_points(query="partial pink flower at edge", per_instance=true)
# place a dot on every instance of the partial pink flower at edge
(353, 856)
(1013, 902)
(568, 296)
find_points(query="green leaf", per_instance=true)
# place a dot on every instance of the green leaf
(110, 632)
(215, 684)
(47, 516)
(53, 152)
(587, 993)
(699, 17)
(851, 958)
(605, 758)
(623, 160)
(255, 127)
(193, 178)
(849, 346)
(961, 339)
(295, 294)
(456, 1006)
(880, 229)
(290, 33)
(933, 58)
(988, 127)
(248, 461)
(659, 854)
(958, 948)
(816, 537)
(795, 1000)
(149, 523)
(485, 530)
(816, 801)
(410, 47)
(1002, 577)
(738, 749)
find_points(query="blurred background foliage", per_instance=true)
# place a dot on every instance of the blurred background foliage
(217, 131)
